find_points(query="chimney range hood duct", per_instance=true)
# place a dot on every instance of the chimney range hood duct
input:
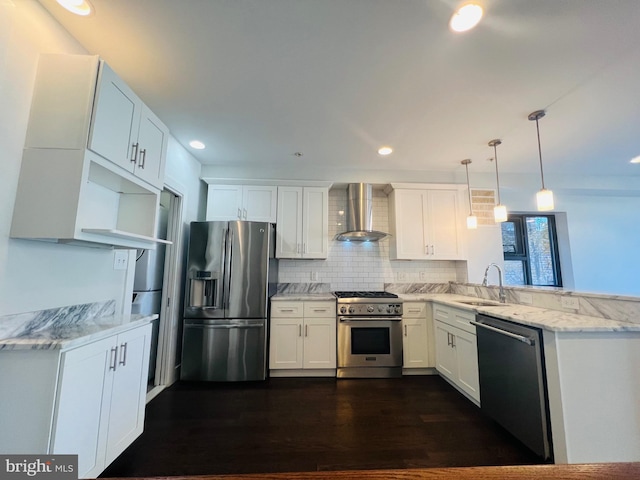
(360, 215)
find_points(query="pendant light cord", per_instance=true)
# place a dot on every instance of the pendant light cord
(495, 158)
(466, 166)
(540, 153)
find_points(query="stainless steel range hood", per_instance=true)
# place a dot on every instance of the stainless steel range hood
(359, 215)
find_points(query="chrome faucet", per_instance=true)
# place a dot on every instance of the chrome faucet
(503, 297)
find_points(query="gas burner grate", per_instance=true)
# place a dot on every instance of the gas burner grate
(364, 294)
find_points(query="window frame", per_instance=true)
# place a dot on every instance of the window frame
(522, 244)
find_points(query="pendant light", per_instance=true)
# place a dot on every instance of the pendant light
(544, 197)
(499, 211)
(472, 220)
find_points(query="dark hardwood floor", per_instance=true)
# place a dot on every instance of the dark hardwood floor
(303, 425)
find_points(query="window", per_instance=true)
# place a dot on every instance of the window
(530, 249)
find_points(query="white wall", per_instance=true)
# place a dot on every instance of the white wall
(38, 275)
(602, 225)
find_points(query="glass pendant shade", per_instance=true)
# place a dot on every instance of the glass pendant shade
(500, 213)
(544, 199)
(472, 222)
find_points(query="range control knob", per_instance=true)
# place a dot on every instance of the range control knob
(380, 308)
(343, 309)
(397, 308)
(351, 309)
(389, 309)
(370, 308)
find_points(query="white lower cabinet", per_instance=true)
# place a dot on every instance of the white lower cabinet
(95, 400)
(456, 349)
(418, 349)
(302, 338)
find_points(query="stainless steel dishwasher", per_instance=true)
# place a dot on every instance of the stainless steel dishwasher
(513, 387)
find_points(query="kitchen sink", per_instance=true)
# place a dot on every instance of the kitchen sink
(480, 303)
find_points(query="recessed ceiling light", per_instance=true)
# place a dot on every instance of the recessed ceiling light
(635, 159)
(385, 150)
(466, 17)
(197, 144)
(79, 7)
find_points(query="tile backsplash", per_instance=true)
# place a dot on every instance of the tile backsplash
(365, 266)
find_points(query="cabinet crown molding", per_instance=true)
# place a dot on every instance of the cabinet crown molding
(424, 186)
(265, 182)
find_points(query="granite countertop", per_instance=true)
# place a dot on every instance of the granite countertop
(60, 335)
(546, 319)
(302, 296)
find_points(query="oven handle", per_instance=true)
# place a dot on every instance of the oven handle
(369, 319)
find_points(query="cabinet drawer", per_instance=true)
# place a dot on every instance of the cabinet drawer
(455, 317)
(286, 309)
(463, 319)
(320, 309)
(414, 310)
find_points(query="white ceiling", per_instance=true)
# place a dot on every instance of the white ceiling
(258, 80)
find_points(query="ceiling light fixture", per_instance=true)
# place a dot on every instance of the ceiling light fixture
(544, 197)
(635, 159)
(197, 144)
(472, 220)
(385, 151)
(499, 211)
(79, 7)
(466, 17)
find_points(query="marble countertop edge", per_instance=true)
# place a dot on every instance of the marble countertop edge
(76, 335)
(544, 318)
(292, 297)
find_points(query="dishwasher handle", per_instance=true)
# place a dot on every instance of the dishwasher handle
(520, 338)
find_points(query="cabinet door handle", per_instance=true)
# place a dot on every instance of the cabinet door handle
(306, 330)
(453, 341)
(123, 354)
(143, 158)
(244, 213)
(448, 339)
(432, 250)
(405, 330)
(114, 357)
(134, 153)
(304, 247)
(299, 330)
(239, 214)
(297, 248)
(286, 309)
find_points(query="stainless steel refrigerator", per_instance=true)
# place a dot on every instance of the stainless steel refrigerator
(147, 285)
(231, 273)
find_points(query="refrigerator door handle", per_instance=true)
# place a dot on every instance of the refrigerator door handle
(227, 267)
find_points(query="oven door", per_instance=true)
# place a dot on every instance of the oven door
(369, 342)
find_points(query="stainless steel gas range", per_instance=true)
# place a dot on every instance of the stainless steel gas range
(369, 335)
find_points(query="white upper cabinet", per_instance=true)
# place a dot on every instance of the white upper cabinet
(426, 223)
(93, 162)
(256, 203)
(125, 131)
(302, 222)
